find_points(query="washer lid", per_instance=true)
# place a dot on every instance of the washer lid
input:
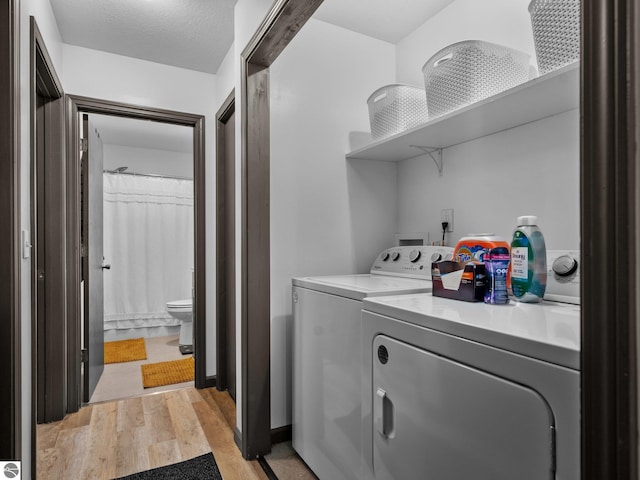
(180, 304)
(358, 287)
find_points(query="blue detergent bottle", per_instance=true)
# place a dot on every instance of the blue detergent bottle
(528, 261)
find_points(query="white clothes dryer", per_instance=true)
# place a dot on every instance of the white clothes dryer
(456, 390)
(326, 355)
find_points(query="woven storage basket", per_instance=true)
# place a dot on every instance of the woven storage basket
(470, 71)
(556, 32)
(396, 108)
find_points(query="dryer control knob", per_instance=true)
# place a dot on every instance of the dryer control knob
(436, 257)
(564, 265)
(395, 256)
(414, 256)
(385, 256)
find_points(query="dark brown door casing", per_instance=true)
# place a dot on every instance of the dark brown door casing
(226, 247)
(281, 24)
(230, 252)
(610, 218)
(48, 255)
(10, 374)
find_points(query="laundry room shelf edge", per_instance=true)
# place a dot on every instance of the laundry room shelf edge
(551, 94)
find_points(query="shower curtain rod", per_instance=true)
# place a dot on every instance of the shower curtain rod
(114, 172)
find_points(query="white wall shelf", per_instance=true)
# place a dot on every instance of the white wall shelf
(554, 93)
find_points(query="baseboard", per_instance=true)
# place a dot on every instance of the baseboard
(281, 434)
(278, 435)
(210, 381)
(237, 437)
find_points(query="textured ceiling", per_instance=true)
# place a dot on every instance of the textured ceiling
(388, 20)
(131, 132)
(193, 34)
(196, 34)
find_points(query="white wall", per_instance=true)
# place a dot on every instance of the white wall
(115, 77)
(506, 22)
(93, 73)
(328, 215)
(529, 170)
(489, 182)
(41, 10)
(148, 160)
(225, 77)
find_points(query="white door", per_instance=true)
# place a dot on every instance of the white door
(93, 261)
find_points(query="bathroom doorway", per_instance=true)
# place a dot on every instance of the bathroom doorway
(144, 185)
(152, 176)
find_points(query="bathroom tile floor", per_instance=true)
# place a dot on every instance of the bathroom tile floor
(124, 380)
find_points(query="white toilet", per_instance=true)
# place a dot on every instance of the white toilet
(182, 310)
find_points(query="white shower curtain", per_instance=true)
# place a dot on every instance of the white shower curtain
(148, 240)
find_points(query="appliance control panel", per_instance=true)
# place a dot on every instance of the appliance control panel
(563, 276)
(410, 261)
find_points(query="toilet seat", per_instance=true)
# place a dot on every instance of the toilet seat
(180, 305)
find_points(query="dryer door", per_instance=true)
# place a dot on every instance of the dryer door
(438, 419)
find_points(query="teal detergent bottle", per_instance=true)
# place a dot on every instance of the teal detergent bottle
(528, 261)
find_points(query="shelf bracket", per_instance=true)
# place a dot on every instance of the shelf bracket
(435, 154)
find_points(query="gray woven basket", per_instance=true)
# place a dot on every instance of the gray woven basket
(396, 108)
(470, 71)
(556, 32)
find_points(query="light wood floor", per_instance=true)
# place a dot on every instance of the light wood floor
(117, 438)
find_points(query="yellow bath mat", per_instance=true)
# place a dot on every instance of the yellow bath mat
(124, 351)
(166, 373)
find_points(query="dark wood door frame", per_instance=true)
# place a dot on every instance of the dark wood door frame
(76, 104)
(279, 27)
(48, 255)
(610, 218)
(227, 109)
(10, 330)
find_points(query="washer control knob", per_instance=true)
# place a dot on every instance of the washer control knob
(395, 256)
(436, 257)
(385, 256)
(564, 265)
(414, 256)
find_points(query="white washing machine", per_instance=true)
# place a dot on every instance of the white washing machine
(455, 390)
(327, 355)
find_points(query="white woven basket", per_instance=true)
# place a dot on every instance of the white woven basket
(470, 71)
(556, 32)
(396, 108)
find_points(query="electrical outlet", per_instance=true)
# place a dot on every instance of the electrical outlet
(446, 215)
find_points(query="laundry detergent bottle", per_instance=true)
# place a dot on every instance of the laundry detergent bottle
(528, 261)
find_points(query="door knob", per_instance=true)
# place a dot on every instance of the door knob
(106, 266)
